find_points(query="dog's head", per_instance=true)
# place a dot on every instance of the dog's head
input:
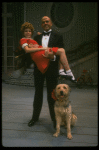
(62, 91)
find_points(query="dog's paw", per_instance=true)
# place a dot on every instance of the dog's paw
(69, 136)
(74, 116)
(55, 134)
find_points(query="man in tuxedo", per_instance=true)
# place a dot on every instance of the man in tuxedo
(47, 39)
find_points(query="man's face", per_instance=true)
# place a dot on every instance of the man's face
(46, 23)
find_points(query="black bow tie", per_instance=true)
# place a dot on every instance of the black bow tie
(46, 33)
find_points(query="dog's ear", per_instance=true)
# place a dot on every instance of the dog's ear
(55, 91)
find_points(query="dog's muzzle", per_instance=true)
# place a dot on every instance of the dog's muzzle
(61, 93)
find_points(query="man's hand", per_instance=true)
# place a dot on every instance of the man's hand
(48, 54)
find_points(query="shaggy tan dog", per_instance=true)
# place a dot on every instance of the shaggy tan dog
(63, 110)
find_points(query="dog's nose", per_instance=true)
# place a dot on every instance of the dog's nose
(61, 92)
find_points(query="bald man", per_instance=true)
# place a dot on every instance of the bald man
(48, 38)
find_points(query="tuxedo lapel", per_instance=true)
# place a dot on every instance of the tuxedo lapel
(40, 39)
(51, 40)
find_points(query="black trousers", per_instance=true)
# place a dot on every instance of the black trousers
(51, 82)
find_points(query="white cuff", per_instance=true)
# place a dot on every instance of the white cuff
(54, 58)
(25, 44)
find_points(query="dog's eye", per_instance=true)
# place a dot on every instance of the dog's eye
(64, 87)
(58, 87)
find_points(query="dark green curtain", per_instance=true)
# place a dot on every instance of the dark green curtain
(18, 20)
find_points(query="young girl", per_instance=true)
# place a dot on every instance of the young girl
(37, 53)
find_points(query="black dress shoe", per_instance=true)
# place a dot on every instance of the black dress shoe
(74, 81)
(31, 123)
(67, 77)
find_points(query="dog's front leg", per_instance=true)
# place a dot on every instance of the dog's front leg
(58, 123)
(68, 120)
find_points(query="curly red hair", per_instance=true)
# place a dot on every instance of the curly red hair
(27, 25)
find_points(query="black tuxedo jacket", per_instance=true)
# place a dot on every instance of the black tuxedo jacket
(55, 40)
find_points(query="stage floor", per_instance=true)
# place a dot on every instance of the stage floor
(17, 107)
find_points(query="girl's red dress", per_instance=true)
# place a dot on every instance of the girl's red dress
(41, 61)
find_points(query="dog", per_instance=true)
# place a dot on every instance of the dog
(63, 110)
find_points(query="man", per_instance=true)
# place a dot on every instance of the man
(52, 39)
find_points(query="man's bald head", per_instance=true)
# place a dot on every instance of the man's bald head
(46, 23)
(45, 17)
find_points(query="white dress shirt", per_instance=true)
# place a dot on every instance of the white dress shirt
(45, 40)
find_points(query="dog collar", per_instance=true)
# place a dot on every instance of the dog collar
(53, 95)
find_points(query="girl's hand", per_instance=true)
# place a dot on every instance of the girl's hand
(38, 33)
(48, 54)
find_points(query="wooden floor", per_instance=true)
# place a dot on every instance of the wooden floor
(17, 110)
